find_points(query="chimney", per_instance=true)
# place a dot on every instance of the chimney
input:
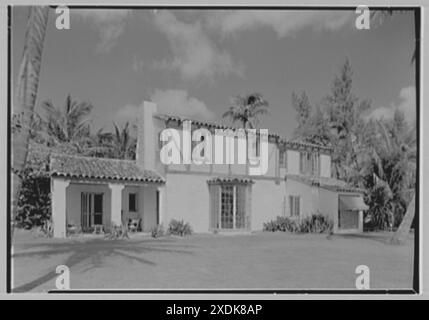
(146, 136)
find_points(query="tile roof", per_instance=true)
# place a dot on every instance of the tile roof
(325, 183)
(291, 144)
(100, 168)
(230, 180)
(295, 144)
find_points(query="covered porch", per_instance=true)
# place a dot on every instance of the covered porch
(333, 198)
(350, 213)
(94, 194)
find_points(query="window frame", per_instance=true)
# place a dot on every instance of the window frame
(294, 206)
(99, 197)
(135, 202)
(282, 159)
(309, 163)
(233, 197)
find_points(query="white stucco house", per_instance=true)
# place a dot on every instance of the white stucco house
(210, 197)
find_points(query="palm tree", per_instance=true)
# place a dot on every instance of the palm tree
(404, 228)
(121, 143)
(246, 109)
(26, 92)
(99, 144)
(405, 225)
(388, 167)
(70, 123)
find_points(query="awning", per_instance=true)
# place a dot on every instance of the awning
(352, 203)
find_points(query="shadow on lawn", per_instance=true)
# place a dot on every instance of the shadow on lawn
(382, 237)
(94, 252)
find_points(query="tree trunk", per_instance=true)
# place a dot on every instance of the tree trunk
(26, 93)
(404, 228)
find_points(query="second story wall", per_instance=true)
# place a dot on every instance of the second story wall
(308, 162)
(293, 161)
(283, 158)
(325, 165)
(235, 168)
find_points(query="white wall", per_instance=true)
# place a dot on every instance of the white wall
(309, 197)
(273, 160)
(59, 209)
(329, 205)
(147, 206)
(188, 199)
(292, 161)
(237, 169)
(146, 136)
(267, 201)
(325, 165)
(73, 202)
(125, 203)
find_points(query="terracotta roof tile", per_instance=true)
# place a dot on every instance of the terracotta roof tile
(212, 125)
(237, 180)
(325, 183)
(100, 168)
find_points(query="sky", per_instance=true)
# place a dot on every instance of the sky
(192, 62)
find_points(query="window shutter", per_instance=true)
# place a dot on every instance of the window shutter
(248, 206)
(285, 158)
(313, 164)
(282, 159)
(297, 206)
(308, 164)
(214, 206)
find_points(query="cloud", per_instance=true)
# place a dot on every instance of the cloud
(110, 25)
(173, 102)
(195, 55)
(283, 23)
(177, 102)
(138, 64)
(126, 113)
(406, 104)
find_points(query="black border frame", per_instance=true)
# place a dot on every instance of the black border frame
(416, 264)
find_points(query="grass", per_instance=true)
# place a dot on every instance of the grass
(253, 261)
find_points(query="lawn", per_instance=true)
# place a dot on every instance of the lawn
(252, 261)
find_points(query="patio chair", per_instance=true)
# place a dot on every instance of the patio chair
(73, 229)
(134, 225)
(98, 229)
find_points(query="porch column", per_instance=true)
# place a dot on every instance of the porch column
(116, 203)
(360, 221)
(59, 216)
(161, 204)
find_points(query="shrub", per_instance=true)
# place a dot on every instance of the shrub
(179, 228)
(34, 202)
(34, 199)
(284, 224)
(270, 226)
(317, 223)
(47, 229)
(115, 232)
(157, 231)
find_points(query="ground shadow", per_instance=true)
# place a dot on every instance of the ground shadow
(382, 237)
(94, 252)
